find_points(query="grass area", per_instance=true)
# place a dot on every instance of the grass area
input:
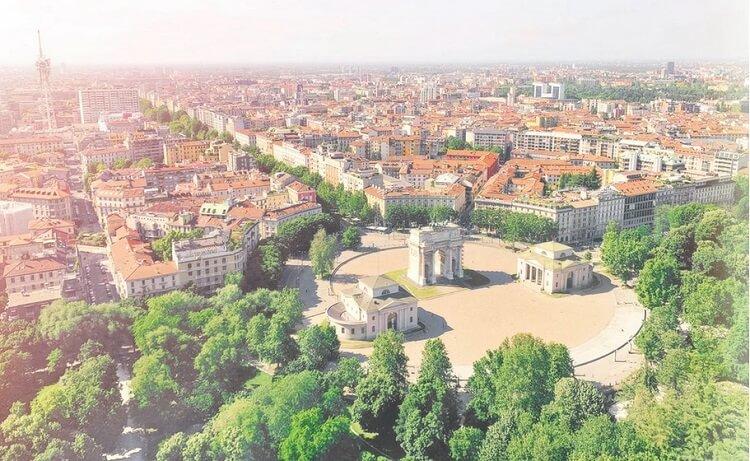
(471, 279)
(355, 344)
(356, 428)
(261, 378)
(425, 292)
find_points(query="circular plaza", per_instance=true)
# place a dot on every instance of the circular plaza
(471, 320)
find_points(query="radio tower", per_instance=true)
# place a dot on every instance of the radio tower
(43, 67)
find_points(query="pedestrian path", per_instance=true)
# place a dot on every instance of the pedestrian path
(624, 325)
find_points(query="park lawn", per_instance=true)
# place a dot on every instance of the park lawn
(261, 378)
(356, 428)
(426, 292)
(355, 343)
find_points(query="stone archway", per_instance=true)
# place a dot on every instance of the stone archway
(435, 252)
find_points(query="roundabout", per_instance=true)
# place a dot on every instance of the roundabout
(474, 318)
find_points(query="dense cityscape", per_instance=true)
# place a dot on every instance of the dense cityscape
(521, 261)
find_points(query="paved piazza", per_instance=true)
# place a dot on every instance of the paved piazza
(592, 322)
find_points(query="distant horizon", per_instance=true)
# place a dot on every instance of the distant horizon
(335, 32)
(655, 62)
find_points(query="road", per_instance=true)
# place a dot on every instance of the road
(96, 278)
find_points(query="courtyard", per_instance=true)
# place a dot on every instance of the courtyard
(470, 321)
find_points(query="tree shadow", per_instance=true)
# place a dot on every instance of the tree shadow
(361, 358)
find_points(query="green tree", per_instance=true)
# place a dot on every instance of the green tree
(509, 424)
(351, 238)
(429, 412)
(625, 252)
(318, 344)
(519, 376)
(144, 163)
(311, 437)
(465, 444)
(322, 253)
(658, 282)
(679, 243)
(382, 389)
(120, 163)
(85, 402)
(575, 401)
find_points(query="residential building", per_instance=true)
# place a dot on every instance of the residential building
(93, 102)
(27, 275)
(274, 218)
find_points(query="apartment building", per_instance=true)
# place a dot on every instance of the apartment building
(290, 154)
(640, 202)
(118, 197)
(272, 219)
(46, 202)
(145, 146)
(202, 262)
(27, 275)
(205, 261)
(548, 140)
(358, 180)
(94, 102)
(728, 163)
(453, 197)
(184, 151)
(31, 145)
(103, 155)
(489, 138)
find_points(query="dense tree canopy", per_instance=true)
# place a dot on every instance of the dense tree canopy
(514, 227)
(429, 412)
(624, 252)
(383, 388)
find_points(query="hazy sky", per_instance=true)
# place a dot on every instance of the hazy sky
(362, 31)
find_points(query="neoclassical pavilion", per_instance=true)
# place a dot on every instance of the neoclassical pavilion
(553, 267)
(435, 253)
(373, 306)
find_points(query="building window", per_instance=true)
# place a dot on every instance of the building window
(373, 328)
(343, 330)
(411, 319)
(363, 330)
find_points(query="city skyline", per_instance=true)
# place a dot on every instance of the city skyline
(189, 33)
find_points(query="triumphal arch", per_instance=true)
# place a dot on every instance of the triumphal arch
(435, 252)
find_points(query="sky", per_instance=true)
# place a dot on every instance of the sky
(173, 32)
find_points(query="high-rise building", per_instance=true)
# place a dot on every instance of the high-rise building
(669, 69)
(549, 90)
(428, 93)
(93, 102)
